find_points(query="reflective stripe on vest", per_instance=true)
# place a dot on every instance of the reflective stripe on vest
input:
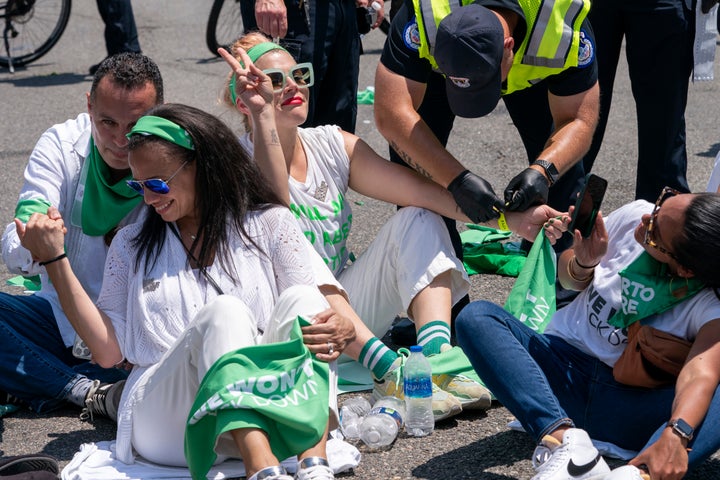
(428, 14)
(550, 47)
(552, 44)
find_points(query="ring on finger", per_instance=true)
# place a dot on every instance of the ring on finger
(331, 349)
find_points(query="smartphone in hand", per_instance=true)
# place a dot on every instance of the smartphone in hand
(587, 205)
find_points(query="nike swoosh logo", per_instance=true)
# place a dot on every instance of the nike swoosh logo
(579, 470)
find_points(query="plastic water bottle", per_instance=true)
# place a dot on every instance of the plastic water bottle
(417, 376)
(352, 413)
(382, 424)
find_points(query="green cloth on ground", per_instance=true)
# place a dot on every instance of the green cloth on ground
(30, 284)
(484, 251)
(280, 388)
(532, 298)
(366, 97)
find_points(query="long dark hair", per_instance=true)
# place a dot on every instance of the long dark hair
(228, 185)
(696, 248)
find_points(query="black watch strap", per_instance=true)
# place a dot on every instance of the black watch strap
(550, 171)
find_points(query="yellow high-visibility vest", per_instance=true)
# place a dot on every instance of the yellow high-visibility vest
(551, 44)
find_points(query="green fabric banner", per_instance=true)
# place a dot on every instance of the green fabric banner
(280, 388)
(484, 251)
(532, 298)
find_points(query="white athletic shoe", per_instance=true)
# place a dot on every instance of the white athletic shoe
(574, 459)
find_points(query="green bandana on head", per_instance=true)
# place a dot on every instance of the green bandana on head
(647, 289)
(163, 128)
(254, 52)
(103, 205)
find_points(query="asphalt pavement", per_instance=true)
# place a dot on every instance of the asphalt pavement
(172, 32)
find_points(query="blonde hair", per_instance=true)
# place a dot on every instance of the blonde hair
(246, 42)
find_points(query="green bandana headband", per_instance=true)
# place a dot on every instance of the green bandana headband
(163, 128)
(254, 52)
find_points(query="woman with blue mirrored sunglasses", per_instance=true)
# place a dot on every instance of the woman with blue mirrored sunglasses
(155, 185)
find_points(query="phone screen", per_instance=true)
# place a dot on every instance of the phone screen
(588, 204)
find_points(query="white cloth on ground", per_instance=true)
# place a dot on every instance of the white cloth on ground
(97, 461)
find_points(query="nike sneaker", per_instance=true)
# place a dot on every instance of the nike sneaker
(576, 458)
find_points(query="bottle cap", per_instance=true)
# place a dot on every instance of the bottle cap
(416, 348)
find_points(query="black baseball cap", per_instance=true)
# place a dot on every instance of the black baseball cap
(469, 52)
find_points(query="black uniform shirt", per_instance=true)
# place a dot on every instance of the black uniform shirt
(400, 54)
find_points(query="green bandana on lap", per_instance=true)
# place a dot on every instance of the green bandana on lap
(647, 289)
(280, 388)
(532, 298)
(103, 205)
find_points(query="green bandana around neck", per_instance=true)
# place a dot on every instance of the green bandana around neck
(254, 52)
(103, 205)
(648, 289)
(163, 128)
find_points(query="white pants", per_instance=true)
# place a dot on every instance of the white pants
(409, 251)
(223, 325)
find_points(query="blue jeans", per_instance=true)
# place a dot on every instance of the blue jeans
(35, 364)
(546, 382)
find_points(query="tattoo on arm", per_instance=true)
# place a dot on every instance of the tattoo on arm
(408, 159)
(274, 139)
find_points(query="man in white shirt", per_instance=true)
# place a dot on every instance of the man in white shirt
(80, 167)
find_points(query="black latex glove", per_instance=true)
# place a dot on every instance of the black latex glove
(706, 5)
(528, 188)
(475, 197)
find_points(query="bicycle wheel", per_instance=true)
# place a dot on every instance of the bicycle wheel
(224, 24)
(32, 27)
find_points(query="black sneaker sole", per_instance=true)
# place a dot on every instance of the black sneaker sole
(28, 463)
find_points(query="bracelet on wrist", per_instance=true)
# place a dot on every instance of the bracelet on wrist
(52, 260)
(502, 222)
(584, 279)
(584, 266)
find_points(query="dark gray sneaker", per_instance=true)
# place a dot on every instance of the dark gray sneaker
(28, 463)
(102, 399)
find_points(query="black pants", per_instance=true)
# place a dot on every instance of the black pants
(659, 40)
(332, 45)
(120, 30)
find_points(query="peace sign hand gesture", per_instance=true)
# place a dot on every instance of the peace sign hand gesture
(252, 86)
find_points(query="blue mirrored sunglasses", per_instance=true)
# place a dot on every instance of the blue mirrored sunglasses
(155, 185)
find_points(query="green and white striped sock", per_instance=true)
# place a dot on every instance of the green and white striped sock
(432, 336)
(377, 357)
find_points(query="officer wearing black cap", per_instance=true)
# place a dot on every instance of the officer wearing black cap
(453, 57)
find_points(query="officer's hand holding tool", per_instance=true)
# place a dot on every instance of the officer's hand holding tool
(475, 197)
(526, 189)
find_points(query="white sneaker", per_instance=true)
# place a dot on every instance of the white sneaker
(314, 468)
(626, 472)
(574, 459)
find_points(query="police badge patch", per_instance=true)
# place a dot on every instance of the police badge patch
(586, 50)
(411, 35)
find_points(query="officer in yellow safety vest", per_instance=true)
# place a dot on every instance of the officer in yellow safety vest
(451, 57)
